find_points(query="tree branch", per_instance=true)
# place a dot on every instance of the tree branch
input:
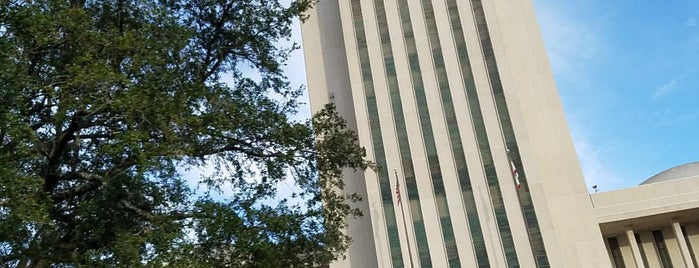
(95, 181)
(234, 148)
(96, 136)
(51, 178)
(65, 137)
(140, 212)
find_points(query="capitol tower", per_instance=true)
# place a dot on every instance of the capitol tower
(456, 104)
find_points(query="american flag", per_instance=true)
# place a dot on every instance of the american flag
(398, 190)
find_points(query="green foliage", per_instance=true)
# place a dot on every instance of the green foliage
(104, 103)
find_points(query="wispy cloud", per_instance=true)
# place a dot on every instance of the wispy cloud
(569, 42)
(691, 22)
(668, 117)
(571, 45)
(595, 169)
(665, 89)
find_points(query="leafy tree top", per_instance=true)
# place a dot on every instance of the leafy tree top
(104, 103)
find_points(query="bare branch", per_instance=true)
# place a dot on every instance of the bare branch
(76, 191)
(82, 175)
(94, 181)
(96, 136)
(140, 212)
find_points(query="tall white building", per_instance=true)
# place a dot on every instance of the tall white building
(453, 95)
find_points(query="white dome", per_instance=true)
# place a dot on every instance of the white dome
(678, 172)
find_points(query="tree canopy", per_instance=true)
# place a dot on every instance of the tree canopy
(103, 106)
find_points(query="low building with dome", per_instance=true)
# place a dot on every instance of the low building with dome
(655, 224)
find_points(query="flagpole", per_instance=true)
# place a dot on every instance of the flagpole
(402, 212)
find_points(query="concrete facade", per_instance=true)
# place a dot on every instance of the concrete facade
(449, 97)
(655, 224)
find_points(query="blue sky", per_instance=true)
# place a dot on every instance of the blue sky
(628, 76)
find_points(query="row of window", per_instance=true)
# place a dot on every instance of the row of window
(402, 135)
(455, 141)
(453, 132)
(482, 140)
(524, 195)
(659, 244)
(457, 147)
(376, 139)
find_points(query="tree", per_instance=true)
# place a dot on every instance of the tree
(104, 103)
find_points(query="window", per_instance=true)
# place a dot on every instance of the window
(661, 247)
(524, 195)
(640, 248)
(376, 139)
(689, 245)
(614, 249)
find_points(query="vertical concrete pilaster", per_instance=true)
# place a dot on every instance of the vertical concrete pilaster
(684, 249)
(634, 248)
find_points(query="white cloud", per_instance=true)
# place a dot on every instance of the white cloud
(665, 89)
(691, 22)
